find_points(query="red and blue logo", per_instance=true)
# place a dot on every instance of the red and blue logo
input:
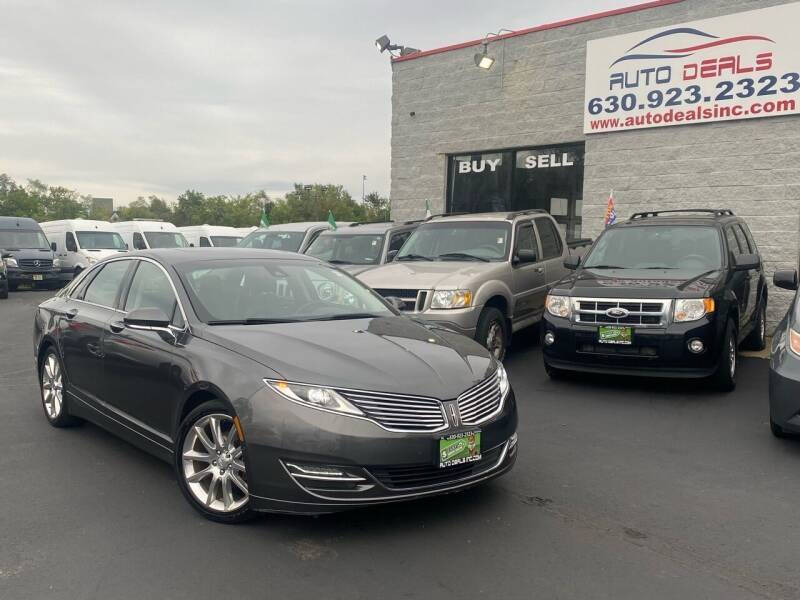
(646, 49)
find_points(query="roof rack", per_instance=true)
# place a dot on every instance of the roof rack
(717, 212)
(413, 221)
(358, 223)
(520, 213)
(452, 214)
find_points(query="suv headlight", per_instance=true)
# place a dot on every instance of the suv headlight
(10, 262)
(558, 306)
(451, 299)
(692, 309)
(313, 396)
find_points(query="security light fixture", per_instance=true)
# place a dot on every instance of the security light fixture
(483, 60)
(383, 44)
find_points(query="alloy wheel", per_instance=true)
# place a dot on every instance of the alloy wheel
(213, 463)
(495, 339)
(52, 387)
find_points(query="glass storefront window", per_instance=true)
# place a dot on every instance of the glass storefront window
(548, 178)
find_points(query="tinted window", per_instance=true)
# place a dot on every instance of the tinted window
(750, 240)
(71, 246)
(138, 241)
(150, 288)
(359, 249)
(733, 242)
(104, 287)
(551, 242)
(743, 243)
(274, 240)
(398, 240)
(526, 239)
(480, 182)
(455, 240)
(691, 248)
(204, 243)
(16, 239)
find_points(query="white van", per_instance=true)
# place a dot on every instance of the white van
(143, 234)
(210, 236)
(245, 231)
(79, 243)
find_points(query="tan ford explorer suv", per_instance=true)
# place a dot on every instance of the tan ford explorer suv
(484, 275)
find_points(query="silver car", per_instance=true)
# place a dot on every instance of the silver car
(483, 275)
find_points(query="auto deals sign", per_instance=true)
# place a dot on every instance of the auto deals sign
(740, 66)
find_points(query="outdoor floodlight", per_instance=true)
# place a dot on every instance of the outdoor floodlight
(483, 60)
(383, 43)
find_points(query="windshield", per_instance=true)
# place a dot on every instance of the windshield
(100, 240)
(225, 241)
(258, 291)
(691, 248)
(274, 240)
(356, 249)
(165, 239)
(15, 239)
(451, 240)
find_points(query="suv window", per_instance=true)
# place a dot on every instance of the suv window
(104, 287)
(733, 242)
(526, 240)
(397, 240)
(150, 288)
(744, 244)
(750, 240)
(204, 243)
(551, 241)
(71, 246)
(138, 241)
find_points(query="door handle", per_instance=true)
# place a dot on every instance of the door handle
(71, 313)
(94, 349)
(117, 326)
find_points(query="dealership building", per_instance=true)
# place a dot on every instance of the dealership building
(669, 104)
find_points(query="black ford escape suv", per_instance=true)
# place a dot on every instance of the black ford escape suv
(667, 293)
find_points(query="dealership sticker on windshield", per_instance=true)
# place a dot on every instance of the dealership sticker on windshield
(615, 335)
(459, 448)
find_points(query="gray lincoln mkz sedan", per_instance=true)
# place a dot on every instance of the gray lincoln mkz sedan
(272, 382)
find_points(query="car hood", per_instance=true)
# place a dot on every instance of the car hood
(639, 283)
(424, 275)
(387, 354)
(357, 269)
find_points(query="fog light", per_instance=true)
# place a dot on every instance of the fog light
(512, 441)
(549, 338)
(696, 346)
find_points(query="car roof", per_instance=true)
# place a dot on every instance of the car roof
(174, 256)
(363, 228)
(19, 223)
(485, 216)
(299, 226)
(707, 220)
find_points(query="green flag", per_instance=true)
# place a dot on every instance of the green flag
(264, 218)
(427, 210)
(331, 220)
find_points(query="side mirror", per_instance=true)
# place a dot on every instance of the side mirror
(391, 254)
(6, 255)
(126, 246)
(785, 279)
(191, 245)
(396, 302)
(572, 262)
(53, 246)
(147, 318)
(746, 262)
(522, 257)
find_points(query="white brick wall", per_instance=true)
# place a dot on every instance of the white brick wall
(533, 96)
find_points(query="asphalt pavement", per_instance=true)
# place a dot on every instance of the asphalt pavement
(622, 489)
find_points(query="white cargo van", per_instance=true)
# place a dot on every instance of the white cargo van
(143, 234)
(79, 243)
(210, 236)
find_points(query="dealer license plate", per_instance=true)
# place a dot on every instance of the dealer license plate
(459, 448)
(615, 335)
(38, 277)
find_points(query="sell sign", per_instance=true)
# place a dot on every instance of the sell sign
(740, 66)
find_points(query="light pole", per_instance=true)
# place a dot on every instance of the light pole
(363, 188)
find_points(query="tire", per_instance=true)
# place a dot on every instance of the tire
(4, 292)
(492, 332)
(12, 287)
(724, 379)
(553, 372)
(757, 340)
(777, 430)
(52, 386)
(214, 479)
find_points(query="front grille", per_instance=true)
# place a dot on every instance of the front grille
(30, 264)
(619, 350)
(413, 300)
(644, 313)
(398, 412)
(421, 475)
(479, 403)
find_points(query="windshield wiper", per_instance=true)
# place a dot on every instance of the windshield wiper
(336, 261)
(346, 317)
(251, 321)
(413, 257)
(602, 267)
(464, 255)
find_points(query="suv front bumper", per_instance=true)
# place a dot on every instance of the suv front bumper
(460, 320)
(659, 352)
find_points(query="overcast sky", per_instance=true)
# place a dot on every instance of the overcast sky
(125, 98)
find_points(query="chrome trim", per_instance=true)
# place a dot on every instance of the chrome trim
(346, 477)
(482, 391)
(664, 314)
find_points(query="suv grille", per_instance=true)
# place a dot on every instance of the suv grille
(30, 264)
(399, 413)
(645, 313)
(481, 402)
(411, 476)
(413, 300)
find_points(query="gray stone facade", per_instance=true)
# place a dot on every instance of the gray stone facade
(533, 96)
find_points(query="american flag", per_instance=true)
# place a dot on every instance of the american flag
(611, 212)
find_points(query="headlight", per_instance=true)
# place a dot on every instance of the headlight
(558, 306)
(56, 263)
(502, 379)
(794, 341)
(692, 309)
(315, 397)
(451, 299)
(91, 260)
(11, 262)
